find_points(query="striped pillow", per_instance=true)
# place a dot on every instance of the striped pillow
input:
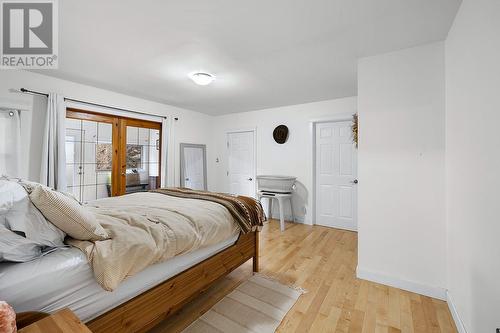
(67, 214)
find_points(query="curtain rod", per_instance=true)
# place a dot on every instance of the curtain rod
(26, 91)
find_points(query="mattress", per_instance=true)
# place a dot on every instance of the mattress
(64, 278)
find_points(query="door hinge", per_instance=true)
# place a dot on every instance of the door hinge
(227, 173)
(227, 143)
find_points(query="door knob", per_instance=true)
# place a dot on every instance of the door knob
(250, 179)
(187, 179)
(355, 181)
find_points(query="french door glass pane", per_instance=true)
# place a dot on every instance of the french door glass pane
(88, 159)
(142, 159)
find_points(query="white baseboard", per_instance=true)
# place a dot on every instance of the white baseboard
(454, 313)
(296, 219)
(299, 219)
(435, 292)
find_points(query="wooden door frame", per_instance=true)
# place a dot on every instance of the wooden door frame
(312, 127)
(254, 175)
(119, 142)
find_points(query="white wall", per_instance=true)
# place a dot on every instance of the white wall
(473, 164)
(293, 158)
(192, 127)
(401, 169)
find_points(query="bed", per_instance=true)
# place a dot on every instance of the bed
(65, 278)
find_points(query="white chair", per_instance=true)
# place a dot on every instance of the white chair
(281, 197)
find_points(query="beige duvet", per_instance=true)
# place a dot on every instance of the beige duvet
(147, 228)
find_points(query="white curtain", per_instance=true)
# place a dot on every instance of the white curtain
(53, 168)
(10, 143)
(165, 130)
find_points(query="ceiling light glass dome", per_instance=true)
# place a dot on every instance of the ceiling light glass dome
(202, 79)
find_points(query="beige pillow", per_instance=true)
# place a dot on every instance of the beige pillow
(67, 214)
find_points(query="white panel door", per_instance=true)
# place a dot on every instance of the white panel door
(241, 163)
(336, 176)
(194, 177)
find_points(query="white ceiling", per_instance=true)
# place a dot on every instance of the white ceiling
(265, 53)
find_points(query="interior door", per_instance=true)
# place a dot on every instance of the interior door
(193, 166)
(241, 163)
(336, 176)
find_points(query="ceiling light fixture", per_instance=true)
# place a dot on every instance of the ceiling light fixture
(201, 78)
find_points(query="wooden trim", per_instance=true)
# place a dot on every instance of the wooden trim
(142, 123)
(146, 310)
(122, 157)
(90, 116)
(116, 179)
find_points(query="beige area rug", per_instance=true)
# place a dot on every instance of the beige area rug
(258, 305)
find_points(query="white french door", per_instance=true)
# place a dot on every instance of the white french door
(336, 176)
(108, 155)
(241, 163)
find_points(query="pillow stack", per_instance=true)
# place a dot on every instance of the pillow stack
(34, 220)
(24, 232)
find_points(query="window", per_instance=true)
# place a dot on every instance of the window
(104, 156)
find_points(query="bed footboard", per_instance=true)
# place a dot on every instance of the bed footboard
(144, 311)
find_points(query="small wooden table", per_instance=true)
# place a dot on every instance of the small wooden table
(64, 321)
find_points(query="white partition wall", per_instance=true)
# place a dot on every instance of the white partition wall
(401, 222)
(472, 165)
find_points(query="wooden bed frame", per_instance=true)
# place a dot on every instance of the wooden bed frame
(146, 310)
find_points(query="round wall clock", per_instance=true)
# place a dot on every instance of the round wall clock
(280, 134)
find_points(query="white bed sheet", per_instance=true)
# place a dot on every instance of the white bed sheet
(64, 279)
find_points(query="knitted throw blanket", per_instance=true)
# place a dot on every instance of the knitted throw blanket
(246, 211)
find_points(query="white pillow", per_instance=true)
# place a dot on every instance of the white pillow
(6, 200)
(67, 214)
(14, 247)
(18, 214)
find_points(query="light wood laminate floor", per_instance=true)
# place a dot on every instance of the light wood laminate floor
(323, 261)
